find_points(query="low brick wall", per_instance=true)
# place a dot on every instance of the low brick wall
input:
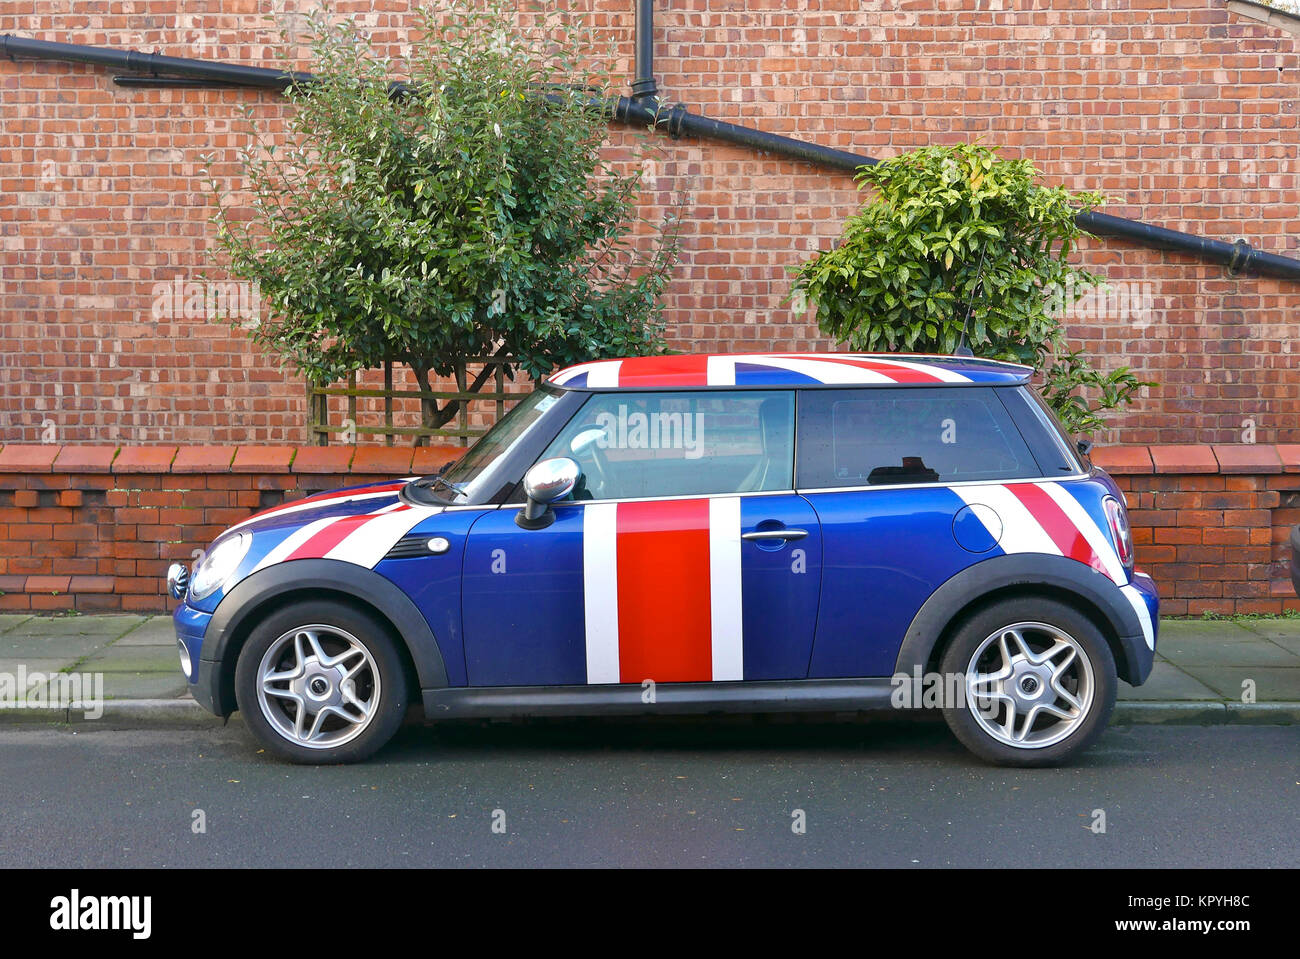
(1211, 523)
(93, 528)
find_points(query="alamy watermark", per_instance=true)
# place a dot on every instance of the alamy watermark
(918, 690)
(1132, 302)
(82, 692)
(635, 430)
(207, 300)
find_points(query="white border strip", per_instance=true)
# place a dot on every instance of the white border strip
(600, 590)
(725, 602)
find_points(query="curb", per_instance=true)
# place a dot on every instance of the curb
(1211, 712)
(118, 714)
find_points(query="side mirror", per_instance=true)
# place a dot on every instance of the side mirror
(1084, 447)
(544, 483)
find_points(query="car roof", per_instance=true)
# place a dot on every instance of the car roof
(749, 370)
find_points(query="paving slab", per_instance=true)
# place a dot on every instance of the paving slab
(1208, 652)
(1271, 684)
(1218, 630)
(1273, 628)
(9, 620)
(145, 685)
(1284, 632)
(108, 626)
(134, 659)
(1167, 683)
(156, 631)
(11, 666)
(66, 649)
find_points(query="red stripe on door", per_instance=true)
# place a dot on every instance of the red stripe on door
(334, 533)
(1067, 537)
(665, 632)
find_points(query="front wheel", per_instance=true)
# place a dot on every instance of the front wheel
(321, 682)
(1039, 682)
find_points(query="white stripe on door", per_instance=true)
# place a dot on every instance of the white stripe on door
(600, 590)
(725, 590)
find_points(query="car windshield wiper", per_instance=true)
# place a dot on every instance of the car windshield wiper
(437, 480)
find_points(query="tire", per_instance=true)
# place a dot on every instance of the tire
(1077, 680)
(358, 691)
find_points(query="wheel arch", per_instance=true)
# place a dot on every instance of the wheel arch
(1004, 577)
(277, 586)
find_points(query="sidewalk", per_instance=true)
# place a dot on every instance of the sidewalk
(1198, 677)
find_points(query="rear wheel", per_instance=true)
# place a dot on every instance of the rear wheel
(1039, 682)
(321, 682)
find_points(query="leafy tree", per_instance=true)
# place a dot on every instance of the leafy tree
(467, 212)
(956, 227)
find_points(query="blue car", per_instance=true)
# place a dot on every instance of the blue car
(697, 534)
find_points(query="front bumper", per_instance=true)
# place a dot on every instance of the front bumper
(191, 625)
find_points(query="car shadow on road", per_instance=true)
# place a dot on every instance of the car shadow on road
(811, 733)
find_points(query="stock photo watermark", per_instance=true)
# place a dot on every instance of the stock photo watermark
(76, 912)
(207, 300)
(636, 430)
(77, 692)
(921, 690)
(1132, 302)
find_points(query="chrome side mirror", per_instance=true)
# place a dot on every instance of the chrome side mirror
(544, 483)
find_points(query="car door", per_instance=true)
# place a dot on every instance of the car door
(684, 556)
(890, 472)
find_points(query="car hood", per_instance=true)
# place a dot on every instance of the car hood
(351, 501)
(357, 525)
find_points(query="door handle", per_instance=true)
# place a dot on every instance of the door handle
(775, 534)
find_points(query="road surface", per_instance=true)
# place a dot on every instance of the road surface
(672, 793)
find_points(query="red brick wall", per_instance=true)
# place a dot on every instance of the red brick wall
(1211, 524)
(94, 528)
(1183, 112)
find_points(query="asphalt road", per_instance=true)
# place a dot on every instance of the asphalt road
(686, 793)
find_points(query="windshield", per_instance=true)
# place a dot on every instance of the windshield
(459, 482)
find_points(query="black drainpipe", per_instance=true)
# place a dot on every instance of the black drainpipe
(642, 109)
(643, 84)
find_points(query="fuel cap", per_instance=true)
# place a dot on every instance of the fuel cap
(977, 528)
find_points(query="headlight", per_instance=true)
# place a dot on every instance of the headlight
(218, 563)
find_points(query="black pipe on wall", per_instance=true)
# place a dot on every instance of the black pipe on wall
(644, 109)
(151, 63)
(643, 84)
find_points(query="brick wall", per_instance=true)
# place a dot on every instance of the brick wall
(1211, 523)
(1184, 112)
(94, 528)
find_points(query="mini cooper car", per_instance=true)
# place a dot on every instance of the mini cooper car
(696, 534)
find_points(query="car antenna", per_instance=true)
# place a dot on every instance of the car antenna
(963, 348)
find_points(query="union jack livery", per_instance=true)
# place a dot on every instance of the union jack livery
(760, 532)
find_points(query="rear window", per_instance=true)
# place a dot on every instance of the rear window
(1042, 430)
(883, 437)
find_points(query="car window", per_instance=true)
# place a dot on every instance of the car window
(880, 437)
(633, 445)
(1047, 439)
(460, 481)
